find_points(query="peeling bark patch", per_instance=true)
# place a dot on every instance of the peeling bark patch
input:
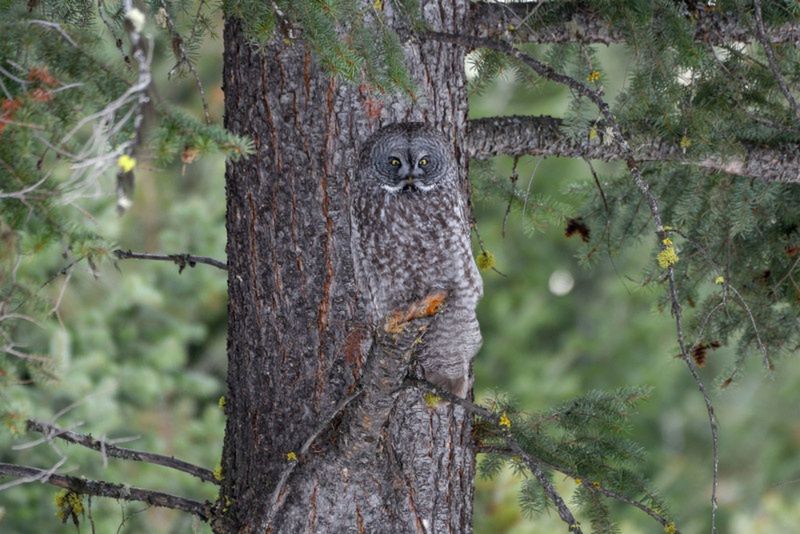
(353, 350)
(360, 521)
(325, 301)
(312, 513)
(307, 74)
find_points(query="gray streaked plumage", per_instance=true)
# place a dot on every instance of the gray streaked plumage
(411, 237)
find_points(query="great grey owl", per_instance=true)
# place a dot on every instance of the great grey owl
(411, 237)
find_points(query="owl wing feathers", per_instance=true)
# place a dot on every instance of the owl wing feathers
(407, 244)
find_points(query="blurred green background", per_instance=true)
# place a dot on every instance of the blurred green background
(140, 349)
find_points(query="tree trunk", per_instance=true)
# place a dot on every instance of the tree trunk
(385, 462)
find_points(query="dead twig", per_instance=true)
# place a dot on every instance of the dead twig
(50, 432)
(100, 488)
(181, 260)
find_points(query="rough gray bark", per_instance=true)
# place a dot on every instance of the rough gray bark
(570, 22)
(545, 136)
(384, 461)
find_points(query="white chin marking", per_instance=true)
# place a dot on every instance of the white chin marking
(417, 185)
(423, 187)
(392, 188)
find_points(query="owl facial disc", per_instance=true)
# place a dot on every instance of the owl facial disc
(408, 170)
(408, 158)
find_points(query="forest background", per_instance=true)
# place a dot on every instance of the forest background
(138, 348)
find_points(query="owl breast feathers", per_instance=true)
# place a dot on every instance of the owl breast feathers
(410, 236)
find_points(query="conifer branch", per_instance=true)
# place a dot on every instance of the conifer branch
(101, 488)
(544, 136)
(51, 432)
(508, 451)
(533, 464)
(763, 38)
(182, 260)
(514, 450)
(727, 285)
(102, 12)
(580, 23)
(595, 96)
(179, 49)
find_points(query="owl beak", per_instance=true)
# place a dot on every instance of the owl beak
(406, 178)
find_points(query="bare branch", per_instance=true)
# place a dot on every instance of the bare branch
(182, 260)
(43, 475)
(544, 136)
(101, 488)
(51, 432)
(580, 23)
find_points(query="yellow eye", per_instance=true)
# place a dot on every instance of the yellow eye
(394, 162)
(423, 162)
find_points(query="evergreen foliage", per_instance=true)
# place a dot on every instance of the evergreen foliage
(350, 38)
(712, 101)
(584, 439)
(737, 240)
(58, 79)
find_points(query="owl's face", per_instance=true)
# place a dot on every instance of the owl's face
(410, 159)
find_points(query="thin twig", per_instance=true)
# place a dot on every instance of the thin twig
(179, 49)
(511, 195)
(767, 361)
(768, 365)
(607, 230)
(89, 513)
(51, 431)
(599, 187)
(55, 26)
(788, 273)
(101, 488)
(773, 64)
(20, 81)
(101, 9)
(474, 226)
(127, 517)
(182, 260)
